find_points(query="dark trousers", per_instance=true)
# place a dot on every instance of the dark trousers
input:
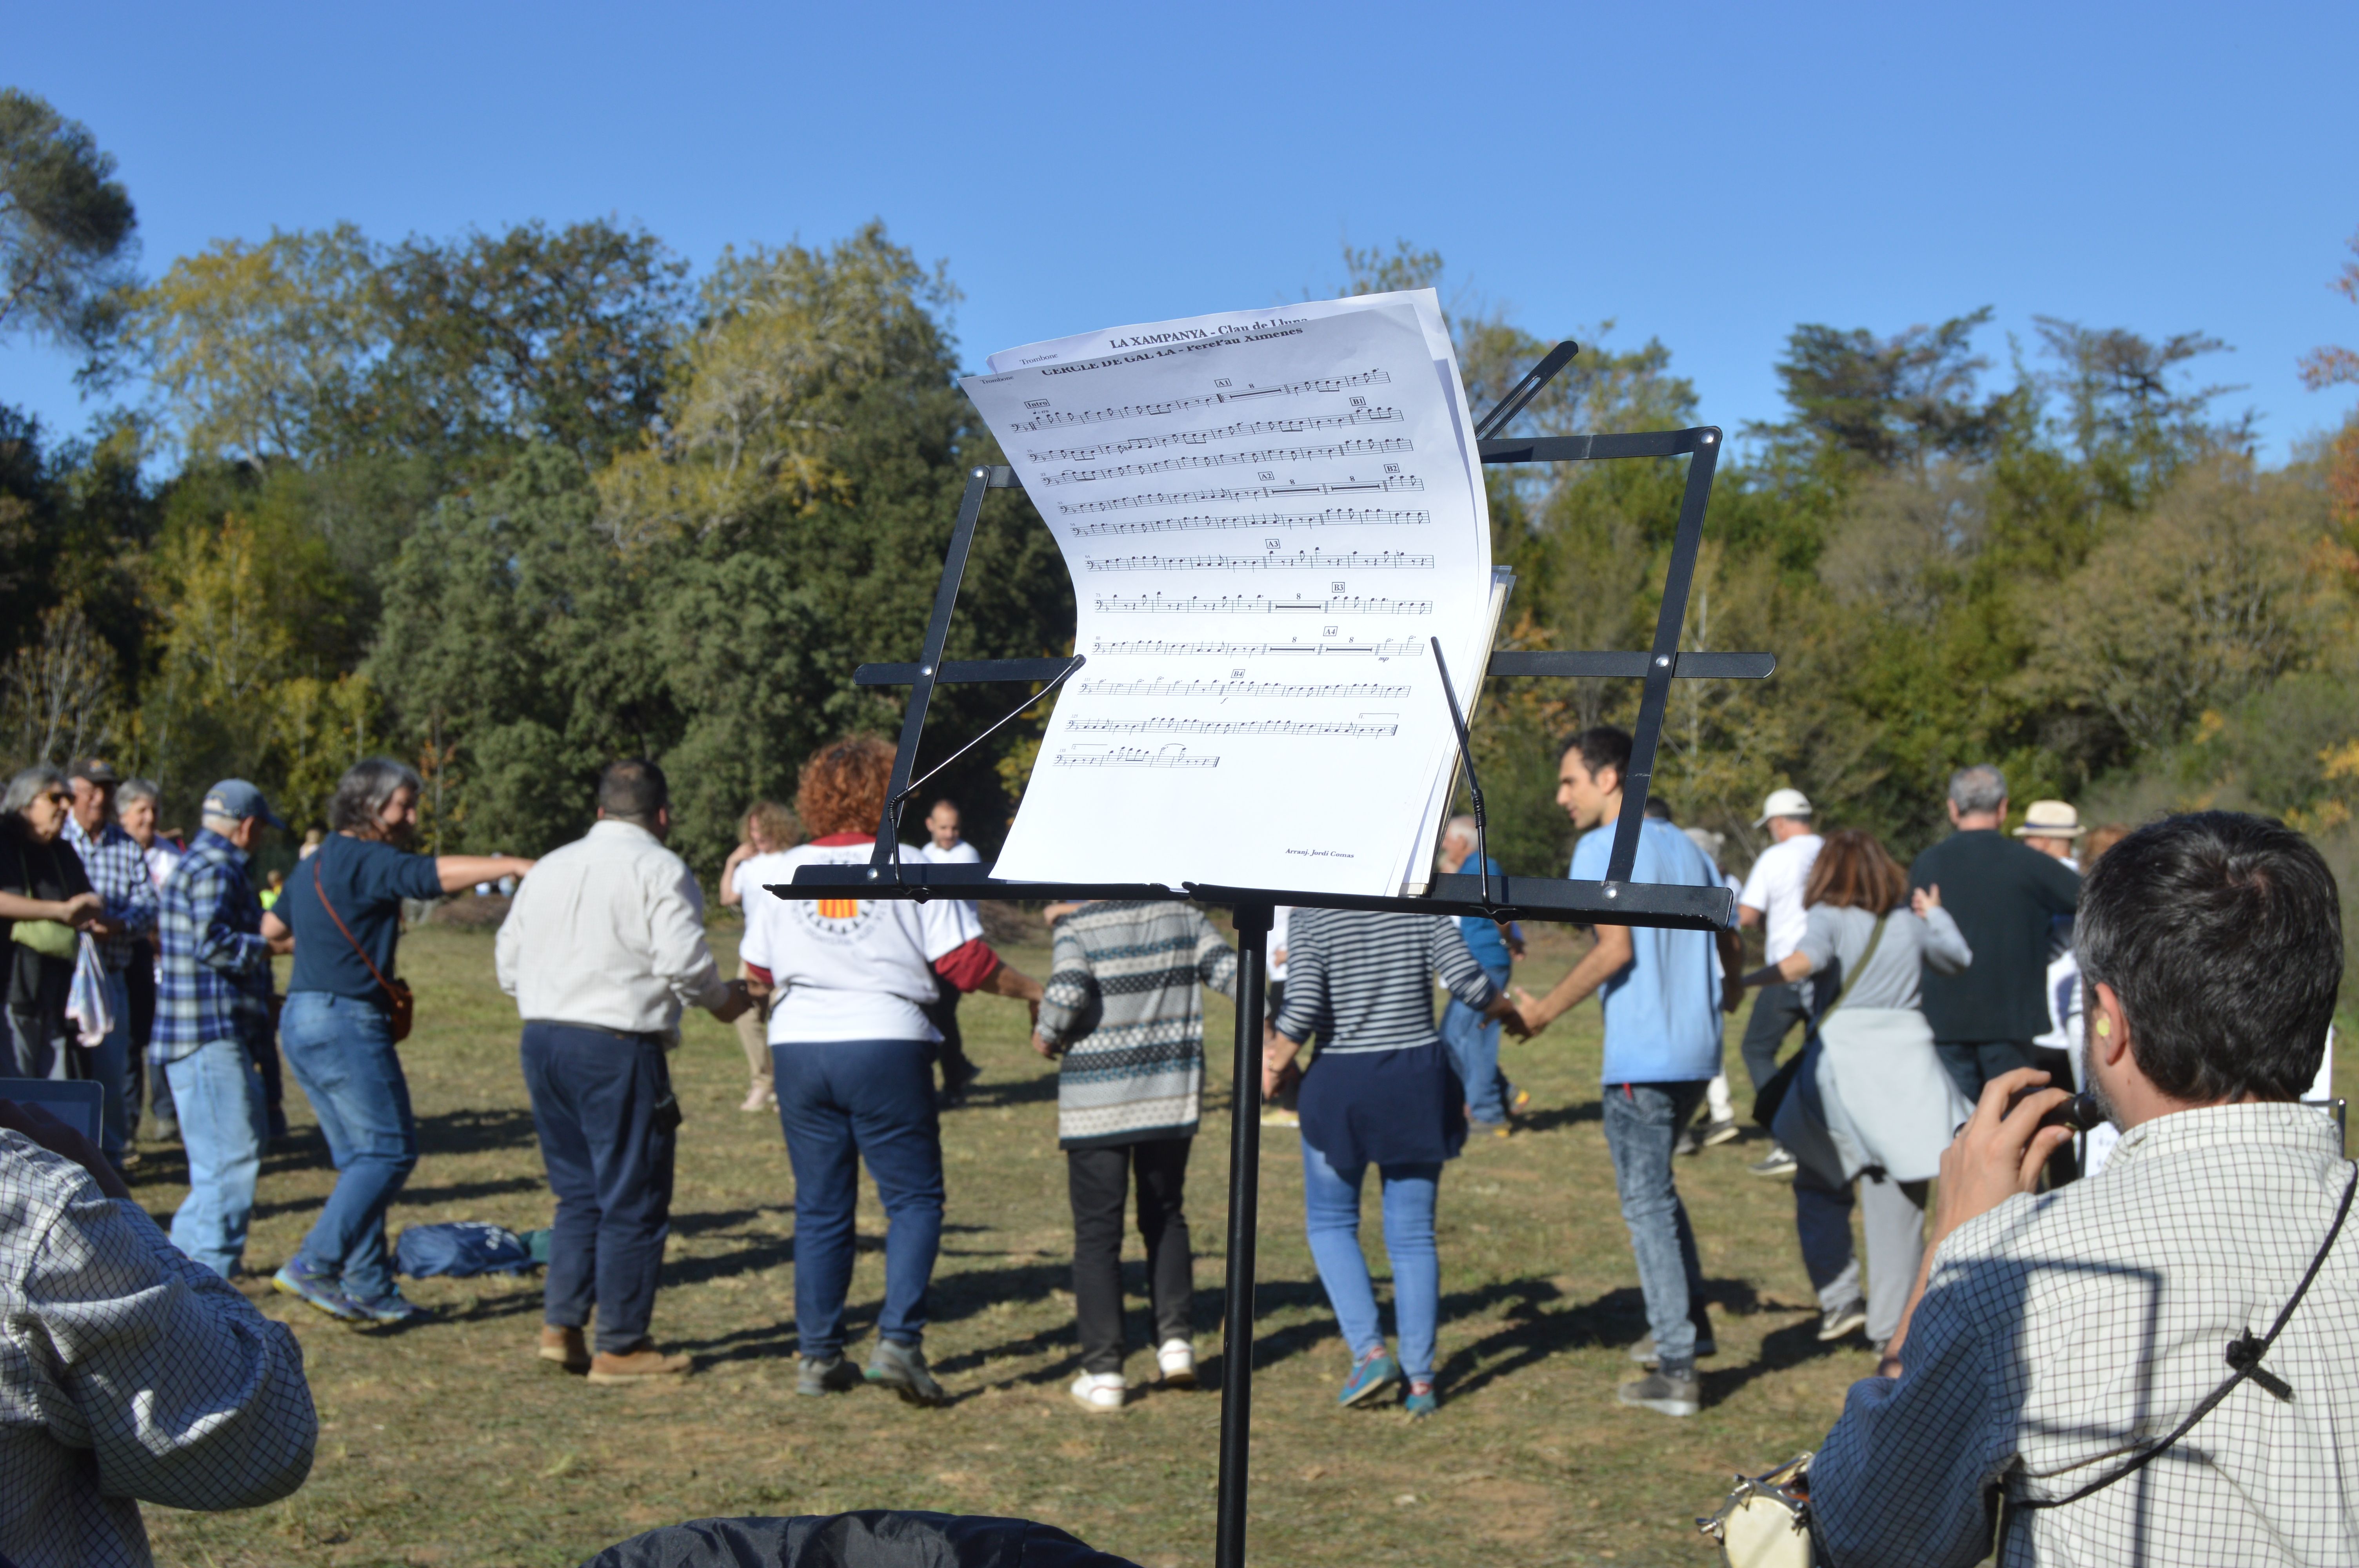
(950, 1051)
(1972, 1064)
(601, 1103)
(139, 983)
(1776, 1010)
(1099, 1179)
(843, 1101)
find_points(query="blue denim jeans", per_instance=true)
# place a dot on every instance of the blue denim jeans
(598, 1099)
(843, 1101)
(1330, 1206)
(1641, 1122)
(109, 1062)
(341, 1050)
(223, 1129)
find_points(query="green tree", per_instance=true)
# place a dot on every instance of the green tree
(496, 341)
(66, 229)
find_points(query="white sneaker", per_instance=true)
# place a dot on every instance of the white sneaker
(1100, 1390)
(1177, 1360)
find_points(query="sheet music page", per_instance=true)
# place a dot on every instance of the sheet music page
(1266, 514)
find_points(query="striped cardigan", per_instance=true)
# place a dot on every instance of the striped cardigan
(1120, 1004)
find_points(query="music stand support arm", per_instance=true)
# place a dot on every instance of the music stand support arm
(1253, 924)
(921, 691)
(1466, 760)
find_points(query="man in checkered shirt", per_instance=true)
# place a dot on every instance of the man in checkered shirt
(117, 869)
(212, 1000)
(127, 1373)
(2055, 1338)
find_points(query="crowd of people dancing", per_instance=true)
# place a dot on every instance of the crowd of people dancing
(1931, 999)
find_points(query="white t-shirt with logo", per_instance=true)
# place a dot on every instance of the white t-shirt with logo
(847, 969)
(1775, 888)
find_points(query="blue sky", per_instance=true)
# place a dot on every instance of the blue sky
(1709, 175)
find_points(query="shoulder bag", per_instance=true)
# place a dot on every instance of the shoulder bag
(400, 1005)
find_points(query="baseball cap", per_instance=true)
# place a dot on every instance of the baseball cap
(1784, 803)
(97, 769)
(2050, 819)
(237, 800)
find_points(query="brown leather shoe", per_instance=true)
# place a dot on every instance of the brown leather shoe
(636, 1365)
(565, 1347)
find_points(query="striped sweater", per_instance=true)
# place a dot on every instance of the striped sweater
(1122, 1006)
(1364, 980)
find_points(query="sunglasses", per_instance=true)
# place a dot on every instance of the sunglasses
(60, 797)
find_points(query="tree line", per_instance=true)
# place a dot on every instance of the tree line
(508, 505)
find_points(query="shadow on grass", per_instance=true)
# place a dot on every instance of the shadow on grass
(1782, 1349)
(1008, 1091)
(474, 1132)
(1557, 1116)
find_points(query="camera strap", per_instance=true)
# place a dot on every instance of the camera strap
(2244, 1354)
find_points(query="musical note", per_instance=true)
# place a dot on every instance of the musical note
(1395, 483)
(1132, 757)
(1225, 460)
(1225, 689)
(1238, 431)
(1384, 652)
(1301, 560)
(1157, 604)
(1342, 727)
(1334, 517)
(1181, 406)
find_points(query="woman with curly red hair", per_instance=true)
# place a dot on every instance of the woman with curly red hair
(853, 1062)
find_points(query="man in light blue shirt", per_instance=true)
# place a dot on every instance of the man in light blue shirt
(1662, 993)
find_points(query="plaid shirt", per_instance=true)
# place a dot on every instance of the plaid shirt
(117, 868)
(2061, 1334)
(127, 1373)
(215, 983)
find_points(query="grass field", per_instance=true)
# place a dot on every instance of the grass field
(448, 1443)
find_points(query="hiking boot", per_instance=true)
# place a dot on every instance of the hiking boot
(902, 1368)
(1777, 1163)
(1665, 1393)
(636, 1365)
(314, 1289)
(1644, 1354)
(1177, 1361)
(827, 1375)
(1836, 1322)
(567, 1349)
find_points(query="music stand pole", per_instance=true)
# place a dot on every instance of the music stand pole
(1253, 924)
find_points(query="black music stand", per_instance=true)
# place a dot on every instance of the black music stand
(1615, 900)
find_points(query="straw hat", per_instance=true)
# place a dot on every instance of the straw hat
(2050, 819)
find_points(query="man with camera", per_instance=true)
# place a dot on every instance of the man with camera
(2161, 1366)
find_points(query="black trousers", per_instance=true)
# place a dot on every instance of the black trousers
(1972, 1064)
(1099, 1179)
(950, 1053)
(1776, 1010)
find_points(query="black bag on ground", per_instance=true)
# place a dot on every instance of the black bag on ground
(872, 1538)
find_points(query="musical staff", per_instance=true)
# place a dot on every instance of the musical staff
(1046, 421)
(1301, 561)
(1227, 460)
(1238, 604)
(1132, 757)
(1384, 652)
(1334, 517)
(1336, 728)
(1391, 483)
(1236, 432)
(1225, 689)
